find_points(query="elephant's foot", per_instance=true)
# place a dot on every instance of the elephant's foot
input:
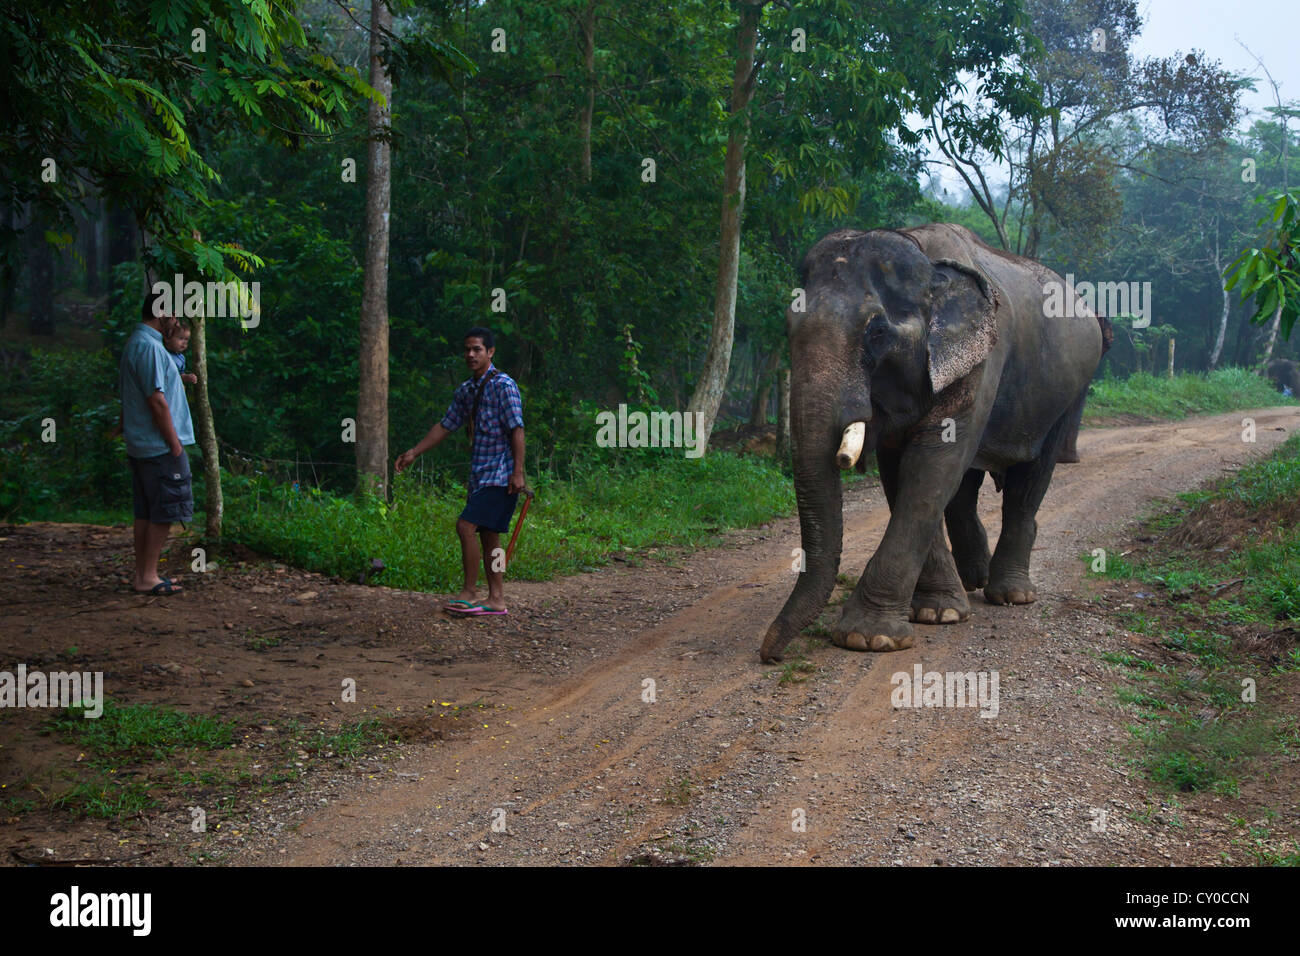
(862, 630)
(1068, 456)
(1010, 589)
(974, 573)
(939, 606)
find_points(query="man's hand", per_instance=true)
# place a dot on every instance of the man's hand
(175, 448)
(516, 485)
(189, 379)
(404, 461)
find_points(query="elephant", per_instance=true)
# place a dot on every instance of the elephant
(1070, 449)
(950, 359)
(1284, 374)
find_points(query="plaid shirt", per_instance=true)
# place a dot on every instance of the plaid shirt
(500, 410)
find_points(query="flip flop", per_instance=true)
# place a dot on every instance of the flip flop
(463, 606)
(164, 588)
(482, 610)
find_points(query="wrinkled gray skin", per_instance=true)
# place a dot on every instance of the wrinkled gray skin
(903, 330)
(1070, 448)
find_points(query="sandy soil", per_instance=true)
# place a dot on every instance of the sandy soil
(556, 754)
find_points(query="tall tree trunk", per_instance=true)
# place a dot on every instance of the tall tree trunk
(90, 246)
(589, 66)
(763, 388)
(1272, 333)
(783, 416)
(40, 320)
(1170, 370)
(1217, 352)
(214, 503)
(121, 248)
(713, 376)
(372, 389)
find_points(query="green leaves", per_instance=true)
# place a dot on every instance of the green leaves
(1271, 271)
(119, 98)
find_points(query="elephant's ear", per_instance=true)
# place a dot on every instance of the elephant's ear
(963, 321)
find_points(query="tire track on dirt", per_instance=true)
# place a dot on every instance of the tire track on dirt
(867, 767)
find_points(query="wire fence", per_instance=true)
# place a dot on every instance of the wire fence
(341, 474)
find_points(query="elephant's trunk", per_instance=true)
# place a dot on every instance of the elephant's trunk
(817, 429)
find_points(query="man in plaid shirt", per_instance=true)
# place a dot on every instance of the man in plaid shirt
(489, 402)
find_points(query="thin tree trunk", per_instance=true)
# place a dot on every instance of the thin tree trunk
(372, 389)
(214, 503)
(1272, 333)
(1171, 358)
(763, 388)
(121, 248)
(90, 246)
(713, 376)
(1217, 351)
(589, 65)
(783, 447)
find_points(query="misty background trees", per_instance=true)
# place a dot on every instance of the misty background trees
(621, 191)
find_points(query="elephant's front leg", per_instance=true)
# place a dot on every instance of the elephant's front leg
(939, 596)
(919, 482)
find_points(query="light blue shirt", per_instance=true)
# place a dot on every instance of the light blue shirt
(148, 367)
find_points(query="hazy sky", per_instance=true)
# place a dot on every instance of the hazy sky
(1271, 28)
(1268, 27)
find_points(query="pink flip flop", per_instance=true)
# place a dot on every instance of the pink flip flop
(481, 610)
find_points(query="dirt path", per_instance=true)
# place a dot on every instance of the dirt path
(564, 750)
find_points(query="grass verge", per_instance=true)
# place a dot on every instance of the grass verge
(1213, 584)
(571, 526)
(1159, 398)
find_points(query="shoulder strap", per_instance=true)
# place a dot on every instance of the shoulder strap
(478, 398)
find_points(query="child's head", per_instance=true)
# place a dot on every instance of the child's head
(177, 338)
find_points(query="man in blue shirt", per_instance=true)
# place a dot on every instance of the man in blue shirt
(490, 403)
(156, 426)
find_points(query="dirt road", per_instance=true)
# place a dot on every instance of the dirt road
(567, 759)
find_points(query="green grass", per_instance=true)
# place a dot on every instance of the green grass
(1195, 731)
(679, 793)
(351, 740)
(121, 738)
(1187, 393)
(795, 671)
(106, 797)
(1269, 568)
(571, 526)
(142, 730)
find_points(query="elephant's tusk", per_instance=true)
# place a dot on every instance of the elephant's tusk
(851, 447)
